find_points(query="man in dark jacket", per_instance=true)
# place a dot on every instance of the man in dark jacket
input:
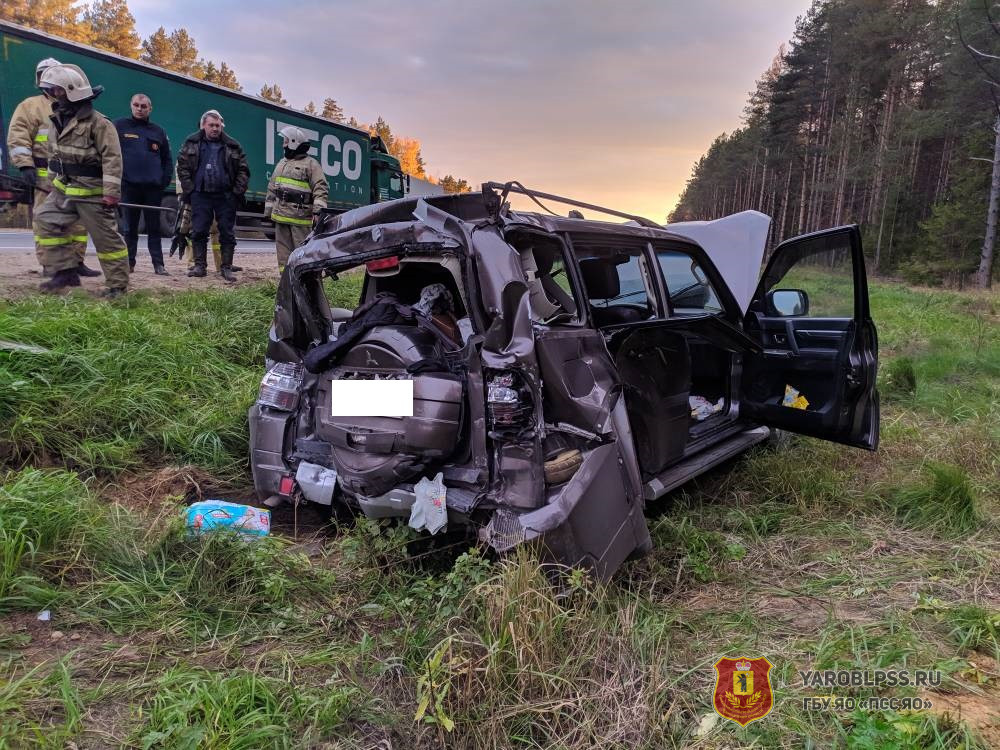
(147, 172)
(213, 172)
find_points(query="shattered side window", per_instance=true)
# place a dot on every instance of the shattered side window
(550, 290)
(689, 288)
(345, 290)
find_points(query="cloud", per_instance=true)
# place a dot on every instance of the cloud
(589, 98)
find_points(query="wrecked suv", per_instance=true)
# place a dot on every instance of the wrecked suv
(556, 373)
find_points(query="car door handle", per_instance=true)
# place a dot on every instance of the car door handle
(779, 338)
(778, 353)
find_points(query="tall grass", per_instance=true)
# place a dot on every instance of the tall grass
(58, 544)
(112, 387)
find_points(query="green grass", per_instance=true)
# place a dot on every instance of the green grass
(814, 555)
(113, 387)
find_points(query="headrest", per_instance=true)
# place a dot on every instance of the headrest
(600, 277)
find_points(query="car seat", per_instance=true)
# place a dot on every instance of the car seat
(601, 281)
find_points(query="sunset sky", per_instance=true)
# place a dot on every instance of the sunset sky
(608, 102)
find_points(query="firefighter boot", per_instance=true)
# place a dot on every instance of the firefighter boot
(88, 272)
(61, 280)
(226, 267)
(199, 252)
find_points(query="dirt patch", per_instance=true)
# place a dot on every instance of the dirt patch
(36, 641)
(147, 490)
(810, 614)
(980, 712)
(20, 274)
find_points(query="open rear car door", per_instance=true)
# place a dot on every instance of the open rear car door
(810, 313)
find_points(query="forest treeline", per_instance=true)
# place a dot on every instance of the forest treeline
(876, 113)
(110, 25)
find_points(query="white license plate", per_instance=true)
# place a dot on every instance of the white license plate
(371, 398)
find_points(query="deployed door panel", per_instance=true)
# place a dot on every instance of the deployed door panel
(810, 313)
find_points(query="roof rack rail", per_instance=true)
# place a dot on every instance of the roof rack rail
(513, 186)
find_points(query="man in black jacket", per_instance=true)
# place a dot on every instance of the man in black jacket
(148, 169)
(213, 172)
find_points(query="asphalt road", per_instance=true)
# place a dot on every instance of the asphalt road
(19, 241)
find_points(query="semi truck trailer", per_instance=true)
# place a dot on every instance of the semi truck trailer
(357, 165)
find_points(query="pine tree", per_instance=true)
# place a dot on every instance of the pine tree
(227, 78)
(157, 49)
(332, 110)
(209, 72)
(112, 27)
(381, 128)
(310, 108)
(451, 184)
(185, 52)
(15, 11)
(273, 94)
(59, 17)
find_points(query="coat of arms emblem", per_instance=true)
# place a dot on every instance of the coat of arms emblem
(743, 689)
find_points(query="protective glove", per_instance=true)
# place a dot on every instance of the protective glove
(110, 201)
(29, 176)
(179, 245)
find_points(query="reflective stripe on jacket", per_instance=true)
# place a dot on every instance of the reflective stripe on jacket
(296, 191)
(28, 137)
(87, 139)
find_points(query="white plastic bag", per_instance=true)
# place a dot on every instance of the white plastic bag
(430, 510)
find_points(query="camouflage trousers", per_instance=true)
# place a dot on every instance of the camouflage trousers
(77, 234)
(287, 237)
(53, 223)
(213, 237)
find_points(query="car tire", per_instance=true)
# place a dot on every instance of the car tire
(563, 466)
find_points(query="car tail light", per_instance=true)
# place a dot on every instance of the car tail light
(279, 387)
(6, 195)
(508, 400)
(382, 263)
(286, 485)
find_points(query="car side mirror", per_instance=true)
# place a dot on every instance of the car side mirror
(788, 303)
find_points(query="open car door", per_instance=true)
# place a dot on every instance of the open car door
(810, 313)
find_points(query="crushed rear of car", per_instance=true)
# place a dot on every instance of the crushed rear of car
(531, 400)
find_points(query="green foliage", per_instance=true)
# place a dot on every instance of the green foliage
(197, 708)
(54, 538)
(451, 184)
(898, 379)
(45, 518)
(909, 731)
(433, 686)
(974, 627)
(273, 94)
(952, 236)
(875, 114)
(704, 553)
(193, 708)
(944, 502)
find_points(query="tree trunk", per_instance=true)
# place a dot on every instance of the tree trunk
(984, 276)
(780, 234)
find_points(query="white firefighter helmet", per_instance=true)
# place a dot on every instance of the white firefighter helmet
(71, 79)
(44, 65)
(294, 137)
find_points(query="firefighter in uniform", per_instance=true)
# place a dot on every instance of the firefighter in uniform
(296, 194)
(28, 144)
(86, 172)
